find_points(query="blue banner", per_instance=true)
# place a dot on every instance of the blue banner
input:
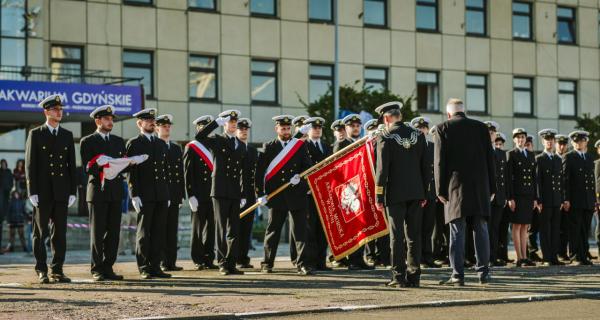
(76, 97)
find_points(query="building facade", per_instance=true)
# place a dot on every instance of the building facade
(530, 64)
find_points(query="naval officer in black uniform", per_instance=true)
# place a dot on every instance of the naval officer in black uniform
(229, 156)
(292, 200)
(103, 197)
(550, 194)
(580, 197)
(175, 179)
(149, 190)
(402, 156)
(248, 193)
(562, 148)
(51, 185)
(198, 168)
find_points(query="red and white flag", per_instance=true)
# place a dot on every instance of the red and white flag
(344, 192)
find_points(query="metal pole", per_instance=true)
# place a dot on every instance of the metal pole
(26, 28)
(336, 84)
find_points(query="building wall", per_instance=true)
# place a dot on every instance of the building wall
(172, 32)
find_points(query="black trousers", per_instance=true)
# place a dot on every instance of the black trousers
(550, 232)
(404, 223)
(587, 221)
(441, 233)
(292, 242)
(427, 228)
(298, 225)
(316, 236)
(202, 241)
(245, 234)
(105, 228)
(597, 233)
(150, 236)
(57, 213)
(579, 232)
(227, 230)
(533, 231)
(495, 232)
(503, 238)
(563, 249)
(379, 250)
(169, 257)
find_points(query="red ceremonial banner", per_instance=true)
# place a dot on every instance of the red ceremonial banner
(344, 192)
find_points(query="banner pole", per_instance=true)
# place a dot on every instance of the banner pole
(325, 161)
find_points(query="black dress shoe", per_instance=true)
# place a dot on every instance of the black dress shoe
(161, 274)
(211, 266)
(452, 281)
(113, 276)
(59, 277)
(145, 275)
(305, 271)
(96, 276)
(199, 267)
(397, 283)
(498, 263)
(236, 271)
(528, 263)
(485, 279)
(534, 257)
(430, 264)
(587, 263)
(171, 268)
(245, 266)
(224, 271)
(43, 277)
(266, 269)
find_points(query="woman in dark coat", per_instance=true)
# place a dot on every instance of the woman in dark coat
(522, 193)
(17, 216)
(19, 176)
(6, 184)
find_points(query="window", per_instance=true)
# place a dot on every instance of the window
(375, 13)
(376, 79)
(521, 20)
(321, 80)
(523, 96)
(427, 19)
(263, 8)
(12, 36)
(475, 17)
(320, 10)
(565, 26)
(476, 93)
(204, 5)
(138, 2)
(264, 81)
(140, 64)
(567, 98)
(203, 77)
(427, 91)
(66, 63)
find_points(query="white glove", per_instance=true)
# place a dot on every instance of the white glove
(137, 204)
(193, 203)
(262, 200)
(242, 203)
(138, 159)
(102, 160)
(34, 200)
(72, 200)
(304, 129)
(168, 203)
(222, 120)
(295, 179)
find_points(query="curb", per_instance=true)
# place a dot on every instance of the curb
(427, 304)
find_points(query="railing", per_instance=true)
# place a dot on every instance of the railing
(70, 75)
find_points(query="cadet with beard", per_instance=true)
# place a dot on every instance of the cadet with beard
(51, 185)
(550, 190)
(429, 210)
(401, 156)
(149, 190)
(176, 192)
(499, 201)
(229, 156)
(198, 166)
(353, 126)
(580, 197)
(248, 193)
(103, 197)
(283, 160)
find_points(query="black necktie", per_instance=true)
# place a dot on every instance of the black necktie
(106, 138)
(54, 132)
(582, 155)
(285, 144)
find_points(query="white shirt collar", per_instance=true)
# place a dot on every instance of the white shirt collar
(103, 135)
(51, 127)
(283, 142)
(148, 135)
(315, 140)
(551, 154)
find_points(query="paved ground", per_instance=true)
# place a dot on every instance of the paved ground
(205, 293)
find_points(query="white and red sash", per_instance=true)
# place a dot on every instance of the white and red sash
(283, 157)
(203, 152)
